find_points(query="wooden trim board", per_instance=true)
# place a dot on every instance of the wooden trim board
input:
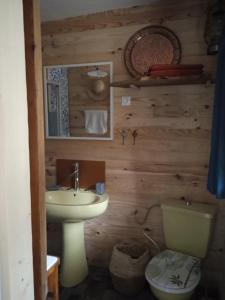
(36, 142)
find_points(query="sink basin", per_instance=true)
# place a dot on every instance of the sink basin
(74, 206)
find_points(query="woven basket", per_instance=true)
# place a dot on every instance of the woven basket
(127, 267)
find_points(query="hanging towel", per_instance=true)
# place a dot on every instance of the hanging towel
(96, 121)
(216, 176)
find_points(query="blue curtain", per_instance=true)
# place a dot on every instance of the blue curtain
(216, 176)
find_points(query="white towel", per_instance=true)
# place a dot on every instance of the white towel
(96, 121)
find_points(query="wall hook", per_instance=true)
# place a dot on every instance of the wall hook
(123, 134)
(134, 134)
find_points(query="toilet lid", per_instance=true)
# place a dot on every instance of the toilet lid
(173, 272)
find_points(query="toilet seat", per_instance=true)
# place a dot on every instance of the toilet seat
(173, 272)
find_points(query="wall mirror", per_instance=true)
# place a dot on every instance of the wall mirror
(78, 101)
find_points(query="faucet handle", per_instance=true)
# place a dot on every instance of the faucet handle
(76, 165)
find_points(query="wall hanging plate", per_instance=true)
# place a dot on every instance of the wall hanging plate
(150, 46)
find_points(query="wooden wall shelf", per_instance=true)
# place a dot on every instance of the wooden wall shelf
(135, 83)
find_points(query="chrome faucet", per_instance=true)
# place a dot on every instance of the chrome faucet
(76, 177)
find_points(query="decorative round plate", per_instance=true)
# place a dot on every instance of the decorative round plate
(150, 46)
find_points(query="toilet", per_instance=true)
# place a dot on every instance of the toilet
(174, 273)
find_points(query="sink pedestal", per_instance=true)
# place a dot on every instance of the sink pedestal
(74, 263)
(73, 208)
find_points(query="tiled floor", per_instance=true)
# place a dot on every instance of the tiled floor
(98, 286)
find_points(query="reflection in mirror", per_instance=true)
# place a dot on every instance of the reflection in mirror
(78, 101)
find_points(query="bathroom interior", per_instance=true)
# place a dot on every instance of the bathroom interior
(129, 95)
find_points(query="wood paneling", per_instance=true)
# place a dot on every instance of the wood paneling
(170, 157)
(164, 10)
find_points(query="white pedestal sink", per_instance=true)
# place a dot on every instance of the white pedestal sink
(72, 209)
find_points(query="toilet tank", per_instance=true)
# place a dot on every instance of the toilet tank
(187, 227)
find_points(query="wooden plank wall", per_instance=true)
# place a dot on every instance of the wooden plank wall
(170, 157)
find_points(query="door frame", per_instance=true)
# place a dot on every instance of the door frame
(33, 55)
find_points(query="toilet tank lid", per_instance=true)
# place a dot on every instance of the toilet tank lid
(194, 208)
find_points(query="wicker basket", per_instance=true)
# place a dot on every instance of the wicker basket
(127, 267)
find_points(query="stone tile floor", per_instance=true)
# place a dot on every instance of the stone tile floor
(98, 286)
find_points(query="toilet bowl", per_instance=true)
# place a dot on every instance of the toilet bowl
(173, 275)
